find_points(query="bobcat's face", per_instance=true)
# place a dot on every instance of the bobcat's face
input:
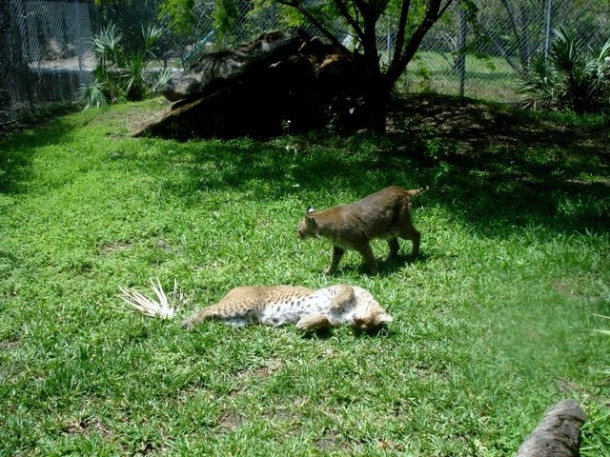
(371, 323)
(307, 227)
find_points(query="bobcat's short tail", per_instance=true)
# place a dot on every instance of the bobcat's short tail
(414, 192)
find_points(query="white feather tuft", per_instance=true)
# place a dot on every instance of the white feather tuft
(150, 306)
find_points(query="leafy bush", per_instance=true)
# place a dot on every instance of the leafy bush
(120, 73)
(572, 77)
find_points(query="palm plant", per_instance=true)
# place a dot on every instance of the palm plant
(540, 85)
(107, 49)
(94, 95)
(109, 54)
(136, 78)
(571, 78)
(121, 73)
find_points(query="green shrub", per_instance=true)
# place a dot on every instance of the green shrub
(572, 77)
(120, 73)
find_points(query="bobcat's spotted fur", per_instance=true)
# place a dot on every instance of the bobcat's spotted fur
(385, 214)
(309, 309)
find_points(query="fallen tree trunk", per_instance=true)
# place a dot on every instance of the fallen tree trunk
(558, 434)
(275, 84)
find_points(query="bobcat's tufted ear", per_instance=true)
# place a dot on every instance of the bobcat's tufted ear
(309, 210)
(383, 318)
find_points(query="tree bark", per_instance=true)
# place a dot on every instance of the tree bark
(558, 434)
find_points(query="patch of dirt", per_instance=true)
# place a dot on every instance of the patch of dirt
(8, 345)
(86, 426)
(328, 442)
(231, 421)
(116, 246)
(565, 289)
(244, 376)
(269, 367)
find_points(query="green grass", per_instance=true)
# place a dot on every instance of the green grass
(494, 322)
(489, 78)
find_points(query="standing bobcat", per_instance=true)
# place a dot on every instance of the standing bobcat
(309, 309)
(384, 214)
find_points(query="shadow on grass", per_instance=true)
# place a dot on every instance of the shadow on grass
(386, 266)
(17, 150)
(496, 167)
(324, 334)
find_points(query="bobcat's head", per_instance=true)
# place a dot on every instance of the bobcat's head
(371, 315)
(371, 322)
(308, 228)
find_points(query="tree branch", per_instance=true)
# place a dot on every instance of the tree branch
(434, 10)
(310, 17)
(558, 434)
(350, 19)
(362, 7)
(400, 34)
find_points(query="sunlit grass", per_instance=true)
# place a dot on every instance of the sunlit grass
(489, 78)
(493, 323)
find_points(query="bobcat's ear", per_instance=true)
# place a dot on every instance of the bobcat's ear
(309, 210)
(383, 318)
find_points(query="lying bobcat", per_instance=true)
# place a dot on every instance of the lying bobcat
(384, 214)
(278, 305)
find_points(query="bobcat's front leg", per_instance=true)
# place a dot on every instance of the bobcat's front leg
(316, 322)
(190, 322)
(369, 258)
(336, 258)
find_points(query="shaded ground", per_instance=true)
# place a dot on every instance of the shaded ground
(543, 169)
(499, 166)
(475, 125)
(527, 161)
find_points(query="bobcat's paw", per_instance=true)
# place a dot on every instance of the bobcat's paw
(188, 325)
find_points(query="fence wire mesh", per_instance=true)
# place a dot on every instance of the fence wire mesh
(46, 48)
(45, 53)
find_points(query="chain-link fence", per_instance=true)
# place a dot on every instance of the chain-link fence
(45, 53)
(46, 49)
(484, 59)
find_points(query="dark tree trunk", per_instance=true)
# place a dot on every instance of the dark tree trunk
(376, 101)
(558, 434)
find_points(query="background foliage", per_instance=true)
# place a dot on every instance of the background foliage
(47, 47)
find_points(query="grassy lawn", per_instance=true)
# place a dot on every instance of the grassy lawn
(493, 323)
(489, 78)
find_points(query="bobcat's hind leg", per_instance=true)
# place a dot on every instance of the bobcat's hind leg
(190, 322)
(198, 317)
(415, 236)
(394, 247)
(336, 258)
(408, 232)
(314, 322)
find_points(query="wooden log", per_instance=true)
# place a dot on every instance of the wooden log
(216, 70)
(275, 83)
(558, 434)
